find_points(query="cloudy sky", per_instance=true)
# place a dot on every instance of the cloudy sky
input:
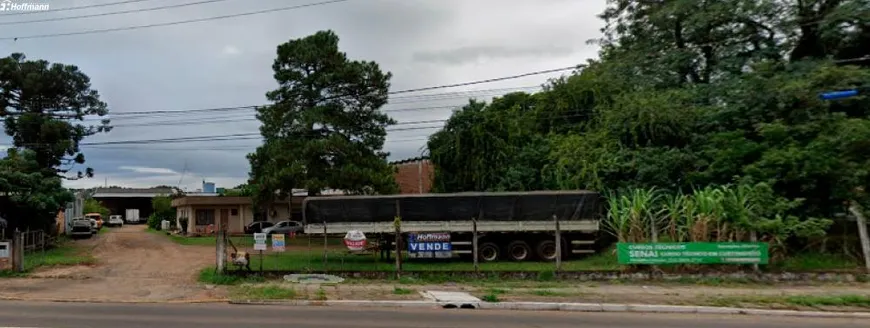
(227, 63)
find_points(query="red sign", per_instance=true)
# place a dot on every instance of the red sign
(355, 244)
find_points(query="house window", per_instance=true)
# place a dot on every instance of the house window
(234, 212)
(204, 217)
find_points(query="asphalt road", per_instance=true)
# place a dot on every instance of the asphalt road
(95, 315)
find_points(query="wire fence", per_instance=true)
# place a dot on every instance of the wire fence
(418, 251)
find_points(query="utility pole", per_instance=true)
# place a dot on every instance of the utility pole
(855, 209)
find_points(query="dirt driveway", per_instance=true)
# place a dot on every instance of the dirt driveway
(134, 265)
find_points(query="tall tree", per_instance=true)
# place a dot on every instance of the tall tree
(689, 93)
(325, 128)
(28, 197)
(43, 107)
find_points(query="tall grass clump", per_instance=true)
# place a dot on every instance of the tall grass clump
(728, 213)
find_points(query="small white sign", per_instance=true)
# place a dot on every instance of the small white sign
(4, 250)
(355, 240)
(259, 242)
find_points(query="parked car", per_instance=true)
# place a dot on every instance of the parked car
(257, 227)
(284, 227)
(81, 227)
(115, 221)
(98, 219)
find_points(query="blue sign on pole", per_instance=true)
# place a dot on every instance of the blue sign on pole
(430, 245)
(833, 95)
(840, 94)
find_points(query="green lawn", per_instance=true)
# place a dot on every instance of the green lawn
(817, 262)
(248, 240)
(813, 301)
(63, 254)
(308, 256)
(341, 260)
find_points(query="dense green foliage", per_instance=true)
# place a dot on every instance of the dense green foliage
(325, 129)
(29, 194)
(94, 206)
(43, 107)
(161, 207)
(687, 94)
(242, 190)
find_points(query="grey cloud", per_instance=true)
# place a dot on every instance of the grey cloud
(470, 54)
(188, 66)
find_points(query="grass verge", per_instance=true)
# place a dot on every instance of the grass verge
(802, 301)
(268, 292)
(63, 255)
(339, 260)
(402, 291)
(210, 276)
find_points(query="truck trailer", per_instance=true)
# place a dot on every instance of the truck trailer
(518, 226)
(132, 215)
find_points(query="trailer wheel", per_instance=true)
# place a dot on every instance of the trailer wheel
(488, 252)
(546, 250)
(519, 250)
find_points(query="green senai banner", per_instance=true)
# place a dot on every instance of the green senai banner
(692, 253)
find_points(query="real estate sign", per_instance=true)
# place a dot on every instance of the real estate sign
(278, 242)
(259, 242)
(692, 253)
(430, 245)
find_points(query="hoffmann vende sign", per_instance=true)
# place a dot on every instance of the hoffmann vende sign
(9, 5)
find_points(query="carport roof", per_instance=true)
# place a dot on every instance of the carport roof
(131, 192)
(215, 200)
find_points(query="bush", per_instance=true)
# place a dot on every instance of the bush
(154, 221)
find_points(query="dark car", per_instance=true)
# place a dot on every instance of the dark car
(257, 227)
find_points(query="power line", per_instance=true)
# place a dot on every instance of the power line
(490, 80)
(234, 120)
(75, 8)
(111, 13)
(232, 147)
(136, 27)
(224, 137)
(237, 118)
(257, 136)
(445, 86)
(251, 136)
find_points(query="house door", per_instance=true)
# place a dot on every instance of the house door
(225, 219)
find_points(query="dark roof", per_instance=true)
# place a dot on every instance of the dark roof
(410, 160)
(134, 190)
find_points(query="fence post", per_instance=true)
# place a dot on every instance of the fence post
(474, 244)
(398, 232)
(754, 238)
(862, 232)
(558, 244)
(397, 223)
(221, 248)
(325, 269)
(17, 251)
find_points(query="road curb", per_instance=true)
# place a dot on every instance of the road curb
(361, 303)
(573, 307)
(70, 300)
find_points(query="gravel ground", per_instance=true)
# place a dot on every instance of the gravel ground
(134, 265)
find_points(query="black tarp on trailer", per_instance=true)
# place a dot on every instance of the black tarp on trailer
(496, 206)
